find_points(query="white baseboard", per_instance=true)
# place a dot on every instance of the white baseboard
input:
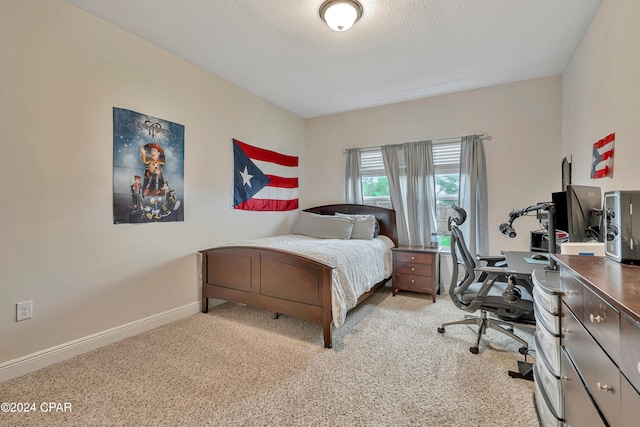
(32, 362)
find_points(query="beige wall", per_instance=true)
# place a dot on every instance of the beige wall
(523, 158)
(62, 71)
(602, 95)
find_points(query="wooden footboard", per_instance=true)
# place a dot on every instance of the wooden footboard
(270, 279)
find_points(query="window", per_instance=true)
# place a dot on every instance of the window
(446, 161)
(375, 187)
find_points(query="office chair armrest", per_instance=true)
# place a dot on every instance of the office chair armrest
(489, 269)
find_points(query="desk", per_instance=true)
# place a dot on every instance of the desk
(517, 265)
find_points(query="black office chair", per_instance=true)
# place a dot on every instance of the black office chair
(488, 288)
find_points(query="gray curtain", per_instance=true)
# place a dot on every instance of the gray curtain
(353, 190)
(473, 194)
(411, 179)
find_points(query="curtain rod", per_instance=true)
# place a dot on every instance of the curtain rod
(485, 137)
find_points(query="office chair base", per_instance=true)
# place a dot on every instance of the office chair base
(484, 323)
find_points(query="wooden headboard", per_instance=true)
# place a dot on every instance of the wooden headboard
(386, 217)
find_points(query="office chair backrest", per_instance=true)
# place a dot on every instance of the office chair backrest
(460, 256)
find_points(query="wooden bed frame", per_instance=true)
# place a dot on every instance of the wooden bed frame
(262, 277)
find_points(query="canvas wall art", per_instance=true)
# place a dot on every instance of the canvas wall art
(148, 169)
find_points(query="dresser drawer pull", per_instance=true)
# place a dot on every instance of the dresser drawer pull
(570, 292)
(604, 387)
(565, 331)
(595, 319)
(638, 367)
(565, 378)
(413, 281)
(412, 258)
(413, 269)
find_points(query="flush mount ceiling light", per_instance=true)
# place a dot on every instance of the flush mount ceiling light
(340, 15)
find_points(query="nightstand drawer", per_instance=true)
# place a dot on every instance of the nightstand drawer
(414, 269)
(414, 257)
(420, 282)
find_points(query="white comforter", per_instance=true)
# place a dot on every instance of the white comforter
(360, 264)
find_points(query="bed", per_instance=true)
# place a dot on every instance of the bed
(285, 282)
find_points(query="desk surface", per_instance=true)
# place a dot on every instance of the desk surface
(516, 263)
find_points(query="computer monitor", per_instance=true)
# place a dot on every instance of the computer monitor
(584, 213)
(559, 199)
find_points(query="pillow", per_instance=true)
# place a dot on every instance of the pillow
(304, 223)
(365, 228)
(333, 227)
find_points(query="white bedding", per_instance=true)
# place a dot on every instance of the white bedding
(360, 264)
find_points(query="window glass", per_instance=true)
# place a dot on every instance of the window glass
(446, 161)
(375, 187)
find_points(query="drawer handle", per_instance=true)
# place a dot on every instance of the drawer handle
(570, 292)
(565, 331)
(604, 387)
(638, 367)
(412, 281)
(412, 258)
(413, 269)
(565, 378)
(595, 319)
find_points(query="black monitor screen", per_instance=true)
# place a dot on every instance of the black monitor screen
(584, 213)
(562, 216)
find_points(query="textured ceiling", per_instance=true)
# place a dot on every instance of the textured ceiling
(399, 50)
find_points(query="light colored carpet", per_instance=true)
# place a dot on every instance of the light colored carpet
(237, 366)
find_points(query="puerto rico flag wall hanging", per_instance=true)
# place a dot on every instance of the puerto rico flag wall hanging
(263, 180)
(602, 162)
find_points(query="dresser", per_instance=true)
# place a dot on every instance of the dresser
(597, 345)
(415, 268)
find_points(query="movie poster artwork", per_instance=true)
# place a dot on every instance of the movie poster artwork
(148, 169)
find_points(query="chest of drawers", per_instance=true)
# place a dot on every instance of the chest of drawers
(415, 269)
(599, 356)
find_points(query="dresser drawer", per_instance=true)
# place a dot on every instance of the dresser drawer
(414, 257)
(603, 322)
(630, 350)
(572, 289)
(630, 404)
(579, 410)
(414, 269)
(600, 374)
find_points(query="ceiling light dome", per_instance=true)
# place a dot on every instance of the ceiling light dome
(340, 15)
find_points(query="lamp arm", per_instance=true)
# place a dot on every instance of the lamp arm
(551, 208)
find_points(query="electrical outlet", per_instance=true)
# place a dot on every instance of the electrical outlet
(24, 310)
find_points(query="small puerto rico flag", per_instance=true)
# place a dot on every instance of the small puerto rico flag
(263, 180)
(602, 163)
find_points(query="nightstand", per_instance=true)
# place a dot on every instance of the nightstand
(415, 269)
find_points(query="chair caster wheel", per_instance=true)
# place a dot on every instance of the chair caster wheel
(523, 350)
(473, 350)
(441, 330)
